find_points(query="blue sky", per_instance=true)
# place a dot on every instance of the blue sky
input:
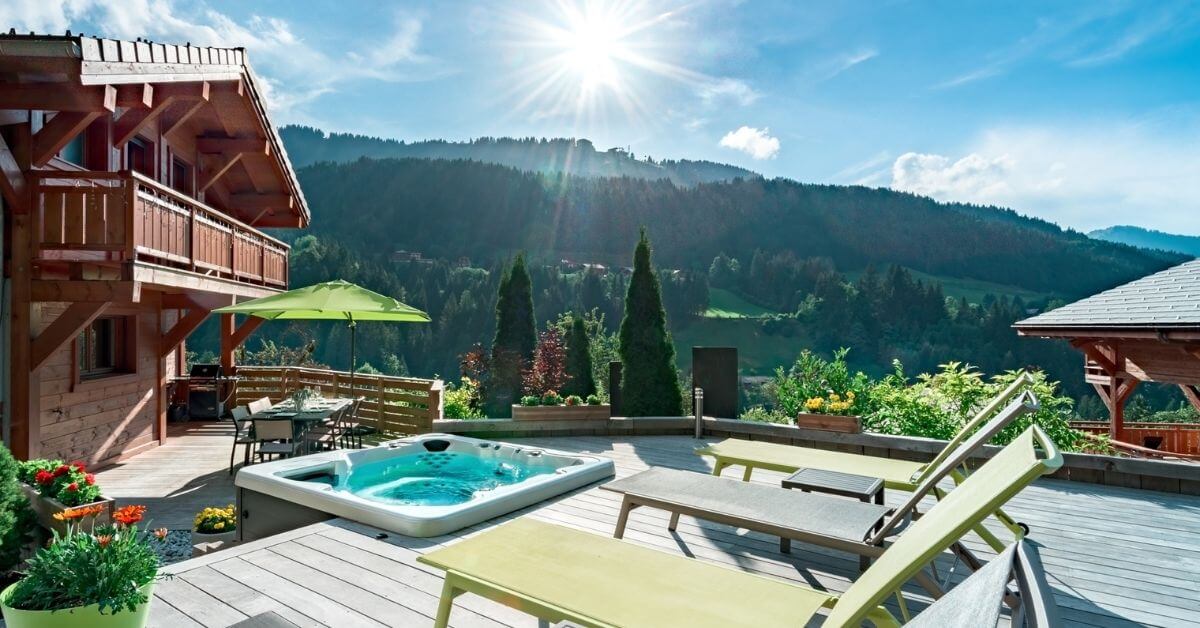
(1084, 113)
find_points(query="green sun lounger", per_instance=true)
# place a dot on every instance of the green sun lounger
(562, 574)
(904, 475)
(815, 518)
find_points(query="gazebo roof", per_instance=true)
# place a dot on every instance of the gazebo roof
(1168, 299)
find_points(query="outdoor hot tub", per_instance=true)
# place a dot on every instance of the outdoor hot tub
(421, 486)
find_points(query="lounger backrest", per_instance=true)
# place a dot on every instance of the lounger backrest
(1026, 403)
(1023, 380)
(976, 601)
(997, 481)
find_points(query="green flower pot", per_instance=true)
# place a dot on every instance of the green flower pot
(80, 617)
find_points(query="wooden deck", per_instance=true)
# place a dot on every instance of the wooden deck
(1115, 556)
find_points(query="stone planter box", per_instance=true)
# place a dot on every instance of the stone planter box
(830, 423)
(44, 508)
(550, 413)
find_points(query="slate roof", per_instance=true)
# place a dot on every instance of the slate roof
(1170, 298)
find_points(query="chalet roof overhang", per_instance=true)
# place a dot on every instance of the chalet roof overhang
(96, 68)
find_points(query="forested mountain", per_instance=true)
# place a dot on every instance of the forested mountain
(1150, 239)
(307, 146)
(454, 208)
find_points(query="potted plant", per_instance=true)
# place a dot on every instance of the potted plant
(830, 412)
(215, 525)
(551, 406)
(95, 575)
(53, 486)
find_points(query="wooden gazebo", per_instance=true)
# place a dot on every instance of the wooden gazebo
(1147, 330)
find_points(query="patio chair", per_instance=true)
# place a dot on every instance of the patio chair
(241, 435)
(561, 574)
(820, 519)
(355, 431)
(904, 475)
(275, 438)
(332, 431)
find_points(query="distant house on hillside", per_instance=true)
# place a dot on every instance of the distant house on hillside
(462, 262)
(410, 256)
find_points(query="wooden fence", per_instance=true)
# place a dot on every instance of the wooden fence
(393, 405)
(1179, 438)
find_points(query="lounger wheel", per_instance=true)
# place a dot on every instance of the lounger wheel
(1024, 528)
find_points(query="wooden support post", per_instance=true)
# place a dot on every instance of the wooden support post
(12, 179)
(25, 383)
(227, 329)
(64, 329)
(59, 132)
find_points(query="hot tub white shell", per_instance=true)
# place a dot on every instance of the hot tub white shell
(274, 479)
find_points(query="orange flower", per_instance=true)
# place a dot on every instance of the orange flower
(79, 513)
(104, 539)
(161, 533)
(129, 515)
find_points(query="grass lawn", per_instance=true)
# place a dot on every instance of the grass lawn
(973, 289)
(758, 353)
(725, 304)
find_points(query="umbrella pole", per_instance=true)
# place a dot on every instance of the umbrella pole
(353, 332)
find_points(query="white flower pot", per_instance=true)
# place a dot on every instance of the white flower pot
(217, 537)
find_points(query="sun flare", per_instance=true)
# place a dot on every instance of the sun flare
(589, 59)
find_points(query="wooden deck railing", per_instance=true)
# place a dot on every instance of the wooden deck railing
(124, 216)
(1178, 438)
(393, 405)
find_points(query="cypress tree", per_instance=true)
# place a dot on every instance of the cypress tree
(649, 382)
(579, 360)
(516, 337)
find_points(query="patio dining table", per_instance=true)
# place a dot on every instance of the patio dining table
(314, 412)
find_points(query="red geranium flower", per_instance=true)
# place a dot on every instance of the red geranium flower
(90, 479)
(62, 470)
(43, 477)
(129, 515)
(78, 466)
(72, 487)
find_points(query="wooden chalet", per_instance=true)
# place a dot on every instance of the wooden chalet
(136, 177)
(1143, 331)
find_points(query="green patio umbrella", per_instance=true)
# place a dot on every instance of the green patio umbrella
(333, 300)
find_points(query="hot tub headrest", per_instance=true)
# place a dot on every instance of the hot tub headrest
(436, 444)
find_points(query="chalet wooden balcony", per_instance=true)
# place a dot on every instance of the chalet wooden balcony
(119, 217)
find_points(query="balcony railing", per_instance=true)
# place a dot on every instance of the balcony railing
(124, 216)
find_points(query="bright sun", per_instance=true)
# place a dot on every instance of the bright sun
(590, 58)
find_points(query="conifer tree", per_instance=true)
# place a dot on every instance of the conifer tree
(649, 382)
(579, 360)
(516, 337)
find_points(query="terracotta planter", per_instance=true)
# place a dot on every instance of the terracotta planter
(830, 422)
(46, 507)
(564, 412)
(80, 617)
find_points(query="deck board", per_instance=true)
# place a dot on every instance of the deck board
(1116, 557)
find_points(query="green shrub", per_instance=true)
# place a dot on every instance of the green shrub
(530, 401)
(462, 401)
(762, 414)
(649, 381)
(573, 400)
(551, 398)
(593, 400)
(16, 519)
(580, 378)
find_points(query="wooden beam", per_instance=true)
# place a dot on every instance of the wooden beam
(209, 176)
(138, 95)
(1093, 352)
(254, 201)
(226, 330)
(65, 328)
(90, 291)
(181, 330)
(12, 180)
(232, 145)
(59, 97)
(132, 121)
(236, 88)
(197, 90)
(59, 132)
(185, 107)
(1192, 394)
(245, 329)
(25, 394)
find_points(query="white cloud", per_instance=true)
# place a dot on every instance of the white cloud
(754, 142)
(844, 62)
(292, 71)
(1088, 176)
(719, 91)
